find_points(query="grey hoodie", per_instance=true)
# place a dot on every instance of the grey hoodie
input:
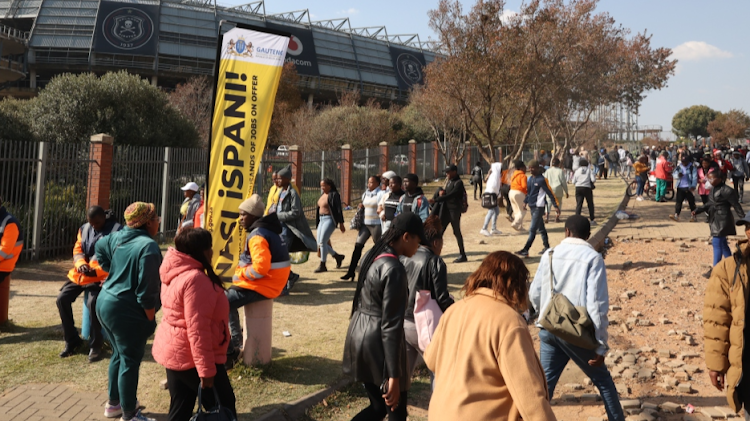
(584, 177)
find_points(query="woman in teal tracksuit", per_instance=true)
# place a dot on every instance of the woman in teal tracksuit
(127, 303)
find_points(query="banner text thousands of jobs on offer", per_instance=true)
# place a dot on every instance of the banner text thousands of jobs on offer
(247, 78)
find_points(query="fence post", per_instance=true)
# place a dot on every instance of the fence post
(100, 170)
(435, 157)
(413, 156)
(295, 158)
(322, 165)
(383, 157)
(346, 174)
(41, 174)
(165, 193)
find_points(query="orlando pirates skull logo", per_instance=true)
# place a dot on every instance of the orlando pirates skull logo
(128, 28)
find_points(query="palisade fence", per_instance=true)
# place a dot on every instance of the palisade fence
(45, 185)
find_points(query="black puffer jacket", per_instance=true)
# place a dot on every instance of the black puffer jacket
(375, 343)
(334, 203)
(720, 201)
(426, 271)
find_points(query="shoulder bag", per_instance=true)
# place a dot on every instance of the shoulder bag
(219, 413)
(566, 321)
(427, 312)
(489, 200)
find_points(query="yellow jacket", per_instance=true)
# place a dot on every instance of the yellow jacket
(273, 196)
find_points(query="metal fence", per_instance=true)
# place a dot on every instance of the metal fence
(398, 159)
(18, 172)
(316, 166)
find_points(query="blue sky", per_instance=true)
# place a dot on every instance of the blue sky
(710, 40)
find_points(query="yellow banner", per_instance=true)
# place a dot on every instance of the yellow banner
(248, 76)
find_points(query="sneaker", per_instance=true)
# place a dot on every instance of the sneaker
(544, 250)
(139, 417)
(485, 232)
(114, 411)
(461, 259)
(593, 223)
(692, 219)
(509, 219)
(496, 232)
(675, 217)
(522, 253)
(639, 199)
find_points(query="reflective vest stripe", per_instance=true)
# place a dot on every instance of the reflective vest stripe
(281, 265)
(4, 223)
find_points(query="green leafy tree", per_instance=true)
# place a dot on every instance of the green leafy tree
(693, 121)
(73, 107)
(14, 124)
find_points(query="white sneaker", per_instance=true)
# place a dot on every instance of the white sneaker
(114, 411)
(496, 232)
(485, 232)
(592, 223)
(639, 199)
(139, 417)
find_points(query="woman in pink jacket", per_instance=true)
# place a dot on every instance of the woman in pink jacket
(192, 338)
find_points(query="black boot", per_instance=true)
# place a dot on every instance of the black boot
(70, 348)
(356, 254)
(321, 268)
(339, 259)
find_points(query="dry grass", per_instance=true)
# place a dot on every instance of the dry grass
(316, 314)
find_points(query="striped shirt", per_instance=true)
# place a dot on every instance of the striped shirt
(371, 199)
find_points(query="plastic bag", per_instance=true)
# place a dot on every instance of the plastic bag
(299, 257)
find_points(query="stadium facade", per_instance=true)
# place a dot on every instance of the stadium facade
(168, 41)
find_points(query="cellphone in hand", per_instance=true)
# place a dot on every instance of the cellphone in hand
(384, 386)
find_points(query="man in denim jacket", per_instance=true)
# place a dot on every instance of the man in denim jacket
(580, 275)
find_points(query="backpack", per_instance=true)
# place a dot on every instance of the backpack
(465, 203)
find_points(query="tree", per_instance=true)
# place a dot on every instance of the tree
(73, 107)
(554, 61)
(194, 99)
(444, 120)
(288, 101)
(692, 122)
(729, 126)
(14, 124)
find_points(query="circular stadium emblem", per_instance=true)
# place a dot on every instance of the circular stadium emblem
(295, 46)
(409, 68)
(127, 28)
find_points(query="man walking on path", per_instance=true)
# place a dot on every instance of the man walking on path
(558, 183)
(477, 178)
(663, 173)
(451, 200)
(724, 332)
(538, 190)
(575, 267)
(687, 179)
(740, 173)
(584, 180)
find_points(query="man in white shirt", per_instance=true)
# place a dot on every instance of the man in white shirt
(580, 275)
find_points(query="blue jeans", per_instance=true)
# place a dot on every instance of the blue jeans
(491, 216)
(239, 297)
(721, 248)
(641, 182)
(537, 224)
(326, 227)
(554, 356)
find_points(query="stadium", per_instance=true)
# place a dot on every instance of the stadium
(169, 41)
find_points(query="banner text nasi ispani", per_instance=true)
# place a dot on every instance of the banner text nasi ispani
(247, 78)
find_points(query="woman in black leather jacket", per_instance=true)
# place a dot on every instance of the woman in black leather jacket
(375, 348)
(426, 270)
(720, 199)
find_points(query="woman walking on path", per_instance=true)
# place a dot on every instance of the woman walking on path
(127, 303)
(720, 219)
(558, 183)
(493, 187)
(518, 190)
(641, 176)
(191, 342)
(584, 180)
(327, 216)
(477, 176)
(375, 347)
(482, 354)
(371, 224)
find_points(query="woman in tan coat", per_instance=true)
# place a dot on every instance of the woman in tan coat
(482, 353)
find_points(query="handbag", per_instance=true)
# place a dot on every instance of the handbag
(427, 313)
(566, 321)
(219, 413)
(358, 219)
(489, 200)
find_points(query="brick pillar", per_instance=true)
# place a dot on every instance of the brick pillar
(383, 157)
(295, 158)
(435, 158)
(100, 170)
(413, 156)
(346, 174)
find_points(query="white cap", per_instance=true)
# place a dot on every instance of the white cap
(190, 186)
(388, 174)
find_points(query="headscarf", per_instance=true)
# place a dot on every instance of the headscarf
(139, 213)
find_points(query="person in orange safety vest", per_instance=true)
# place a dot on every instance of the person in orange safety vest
(88, 276)
(11, 242)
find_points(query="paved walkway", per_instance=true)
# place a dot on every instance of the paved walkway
(44, 402)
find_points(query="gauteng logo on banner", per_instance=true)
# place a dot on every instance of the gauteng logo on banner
(127, 28)
(295, 46)
(240, 48)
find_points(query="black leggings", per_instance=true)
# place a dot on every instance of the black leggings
(683, 194)
(478, 185)
(602, 171)
(455, 221)
(378, 409)
(183, 390)
(585, 193)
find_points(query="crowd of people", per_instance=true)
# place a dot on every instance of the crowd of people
(481, 347)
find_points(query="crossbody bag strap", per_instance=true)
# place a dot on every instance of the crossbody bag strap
(551, 275)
